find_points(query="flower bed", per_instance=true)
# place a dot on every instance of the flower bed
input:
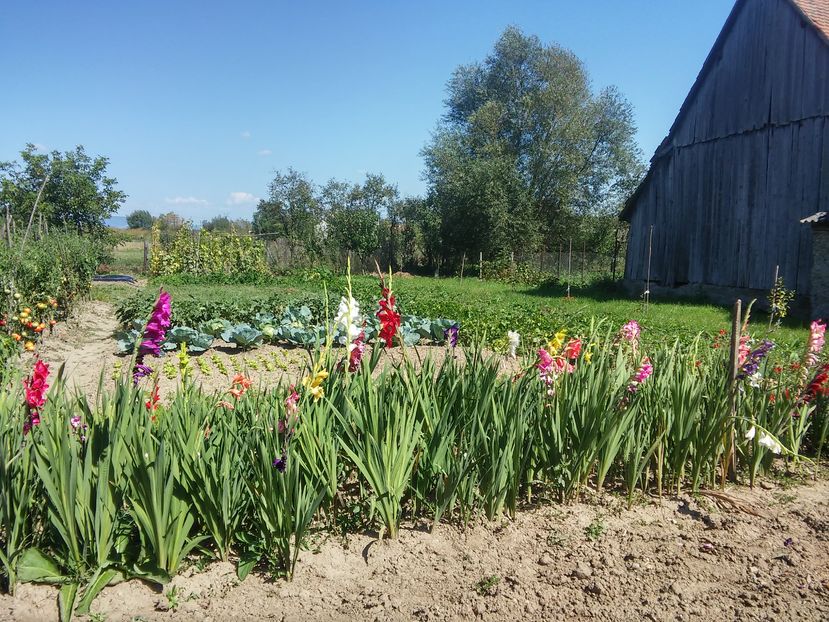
(134, 482)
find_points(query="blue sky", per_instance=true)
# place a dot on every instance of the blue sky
(196, 103)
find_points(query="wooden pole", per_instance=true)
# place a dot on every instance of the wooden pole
(773, 287)
(481, 265)
(648, 280)
(615, 253)
(733, 367)
(463, 262)
(558, 270)
(583, 259)
(569, 266)
(145, 269)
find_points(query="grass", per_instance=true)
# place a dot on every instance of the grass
(485, 309)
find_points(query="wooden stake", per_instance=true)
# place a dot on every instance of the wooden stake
(463, 261)
(558, 270)
(583, 259)
(733, 367)
(146, 257)
(569, 266)
(648, 280)
(773, 285)
(481, 265)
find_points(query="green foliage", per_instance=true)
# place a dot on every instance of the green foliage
(525, 146)
(139, 219)
(779, 299)
(204, 253)
(78, 194)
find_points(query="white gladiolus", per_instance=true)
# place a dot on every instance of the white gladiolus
(348, 319)
(767, 441)
(514, 340)
(751, 433)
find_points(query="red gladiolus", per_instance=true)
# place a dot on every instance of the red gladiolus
(152, 403)
(35, 387)
(388, 316)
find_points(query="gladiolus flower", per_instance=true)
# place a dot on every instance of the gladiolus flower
(291, 402)
(572, 349)
(35, 394)
(242, 381)
(152, 403)
(814, 346)
(154, 334)
(355, 352)
(237, 393)
(751, 433)
(640, 375)
(630, 331)
(348, 319)
(770, 443)
(314, 385)
(226, 405)
(451, 335)
(388, 316)
(751, 364)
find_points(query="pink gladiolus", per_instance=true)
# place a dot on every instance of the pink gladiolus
(743, 350)
(640, 375)
(814, 346)
(291, 402)
(551, 367)
(630, 331)
(355, 352)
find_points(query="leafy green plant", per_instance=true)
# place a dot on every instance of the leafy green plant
(243, 335)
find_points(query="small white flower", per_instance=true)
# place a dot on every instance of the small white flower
(514, 340)
(767, 441)
(750, 434)
(754, 379)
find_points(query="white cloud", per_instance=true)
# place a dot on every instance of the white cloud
(264, 152)
(241, 198)
(245, 134)
(184, 201)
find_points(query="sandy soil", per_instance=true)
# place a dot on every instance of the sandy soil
(758, 554)
(669, 559)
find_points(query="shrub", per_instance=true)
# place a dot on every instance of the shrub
(140, 219)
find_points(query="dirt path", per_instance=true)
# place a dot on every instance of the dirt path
(670, 559)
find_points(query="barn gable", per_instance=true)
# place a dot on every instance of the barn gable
(746, 158)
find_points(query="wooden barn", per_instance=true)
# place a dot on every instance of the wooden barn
(745, 160)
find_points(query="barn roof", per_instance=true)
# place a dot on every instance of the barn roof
(818, 218)
(817, 11)
(814, 12)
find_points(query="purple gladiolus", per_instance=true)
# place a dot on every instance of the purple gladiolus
(451, 335)
(282, 462)
(754, 358)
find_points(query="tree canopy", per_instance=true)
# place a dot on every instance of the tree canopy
(78, 192)
(139, 219)
(524, 142)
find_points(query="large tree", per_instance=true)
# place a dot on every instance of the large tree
(77, 193)
(525, 140)
(291, 211)
(353, 212)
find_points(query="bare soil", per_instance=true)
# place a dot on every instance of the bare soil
(748, 555)
(742, 554)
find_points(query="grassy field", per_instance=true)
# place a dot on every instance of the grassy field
(485, 309)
